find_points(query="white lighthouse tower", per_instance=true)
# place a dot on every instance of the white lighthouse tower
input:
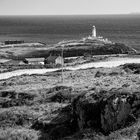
(94, 32)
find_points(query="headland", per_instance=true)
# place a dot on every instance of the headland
(76, 94)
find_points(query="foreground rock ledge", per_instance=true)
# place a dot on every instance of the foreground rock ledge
(106, 111)
(103, 112)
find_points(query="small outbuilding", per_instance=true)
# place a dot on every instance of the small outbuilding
(54, 61)
(59, 61)
(15, 62)
(35, 61)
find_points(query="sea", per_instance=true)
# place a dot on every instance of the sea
(53, 29)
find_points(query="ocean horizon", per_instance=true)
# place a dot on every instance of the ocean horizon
(53, 29)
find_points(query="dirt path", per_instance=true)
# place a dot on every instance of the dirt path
(105, 64)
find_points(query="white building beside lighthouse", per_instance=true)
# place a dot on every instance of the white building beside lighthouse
(96, 39)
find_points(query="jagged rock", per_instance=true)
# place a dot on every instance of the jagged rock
(106, 111)
(11, 98)
(63, 124)
(112, 73)
(59, 94)
(138, 134)
(101, 111)
(115, 113)
(132, 68)
(60, 97)
(99, 74)
(91, 49)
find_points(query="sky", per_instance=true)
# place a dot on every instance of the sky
(68, 7)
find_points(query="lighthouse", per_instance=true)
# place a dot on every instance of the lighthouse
(94, 32)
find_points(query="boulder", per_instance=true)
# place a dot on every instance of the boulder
(59, 94)
(106, 111)
(132, 68)
(60, 125)
(99, 74)
(101, 111)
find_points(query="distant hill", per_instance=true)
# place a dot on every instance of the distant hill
(80, 50)
(69, 50)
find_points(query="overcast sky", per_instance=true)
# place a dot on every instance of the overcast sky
(64, 7)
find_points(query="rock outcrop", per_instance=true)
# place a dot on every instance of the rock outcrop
(132, 68)
(93, 49)
(102, 112)
(106, 111)
(81, 50)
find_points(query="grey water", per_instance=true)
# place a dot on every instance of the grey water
(52, 29)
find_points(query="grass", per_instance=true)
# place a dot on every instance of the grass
(28, 98)
(20, 133)
(25, 51)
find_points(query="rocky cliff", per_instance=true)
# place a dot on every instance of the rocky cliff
(80, 50)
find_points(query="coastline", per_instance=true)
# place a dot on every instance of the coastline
(93, 94)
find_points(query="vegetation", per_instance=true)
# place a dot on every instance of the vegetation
(69, 51)
(41, 107)
(85, 49)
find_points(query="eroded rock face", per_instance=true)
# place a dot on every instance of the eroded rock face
(106, 111)
(62, 125)
(99, 111)
(114, 114)
(132, 68)
(87, 110)
(11, 98)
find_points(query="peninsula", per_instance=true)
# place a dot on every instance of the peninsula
(91, 45)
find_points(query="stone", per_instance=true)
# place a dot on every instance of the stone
(107, 111)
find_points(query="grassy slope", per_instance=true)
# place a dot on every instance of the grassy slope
(23, 52)
(26, 98)
(82, 50)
